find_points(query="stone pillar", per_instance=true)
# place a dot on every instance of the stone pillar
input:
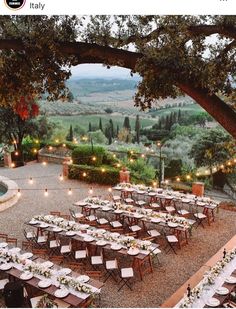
(65, 167)
(124, 175)
(7, 159)
(198, 188)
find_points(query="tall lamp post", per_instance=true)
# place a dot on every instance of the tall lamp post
(160, 162)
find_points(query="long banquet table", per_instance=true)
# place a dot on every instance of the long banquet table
(72, 299)
(194, 280)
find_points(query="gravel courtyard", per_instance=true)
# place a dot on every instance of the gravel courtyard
(156, 287)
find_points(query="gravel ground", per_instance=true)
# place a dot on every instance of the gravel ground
(156, 287)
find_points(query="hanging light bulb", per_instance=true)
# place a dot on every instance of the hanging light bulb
(188, 176)
(31, 181)
(46, 192)
(37, 141)
(166, 181)
(197, 174)
(154, 184)
(69, 191)
(94, 158)
(103, 170)
(44, 163)
(109, 189)
(13, 165)
(118, 164)
(178, 179)
(143, 155)
(57, 140)
(16, 153)
(84, 174)
(35, 150)
(18, 193)
(114, 155)
(50, 148)
(61, 177)
(91, 190)
(64, 145)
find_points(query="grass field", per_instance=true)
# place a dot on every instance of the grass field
(83, 121)
(191, 108)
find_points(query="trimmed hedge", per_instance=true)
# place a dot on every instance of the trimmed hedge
(83, 155)
(94, 174)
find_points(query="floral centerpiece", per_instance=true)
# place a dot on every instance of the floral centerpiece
(10, 257)
(36, 268)
(46, 302)
(75, 284)
(95, 201)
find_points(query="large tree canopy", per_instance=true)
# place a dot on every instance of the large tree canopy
(172, 54)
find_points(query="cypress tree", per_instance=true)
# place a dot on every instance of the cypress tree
(90, 127)
(137, 129)
(100, 124)
(70, 135)
(112, 128)
(126, 124)
(117, 130)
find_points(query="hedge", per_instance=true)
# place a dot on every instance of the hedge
(110, 176)
(84, 154)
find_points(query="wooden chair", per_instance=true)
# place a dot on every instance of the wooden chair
(57, 259)
(94, 274)
(26, 245)
(66, 217)
(75, 266)
(12, 241)
(3, 237)
(40, 252)
(55, 213)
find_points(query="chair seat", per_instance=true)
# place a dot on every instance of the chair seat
(79, 215)
(135, 228)
(41, 239)
(96, 260)
(140, 203)
(172, 238)
(170, 208)
(111, 265)
(102, 221)
(116, 224)
(91, 218)
(200, 215)
(129, 200)
(54, 244)
(127, 272)
(3, 282)
(155, 205)
(116, 198)
(183, 212)
(80, 254)
(156, 251)
(153, 233)
(30, 235)
(65, 249)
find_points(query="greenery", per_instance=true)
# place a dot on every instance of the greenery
(140, 171)
(104, 174)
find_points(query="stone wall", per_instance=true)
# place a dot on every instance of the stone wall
(51, 158)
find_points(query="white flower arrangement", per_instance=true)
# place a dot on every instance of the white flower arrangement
(144, 245)
(75, 284)
(95, 201)
(10, 257)
(36, 268)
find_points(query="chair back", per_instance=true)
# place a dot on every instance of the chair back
(40, 252)
(3, 236)
(12, 241)
(95, 274)
(55, 213)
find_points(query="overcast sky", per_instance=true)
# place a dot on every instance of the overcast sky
(99, 71)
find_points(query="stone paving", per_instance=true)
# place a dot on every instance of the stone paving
(156, 287)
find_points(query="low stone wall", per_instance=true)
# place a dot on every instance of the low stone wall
(51, 158)
(10, 197)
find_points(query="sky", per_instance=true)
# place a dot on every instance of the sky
(99, 71)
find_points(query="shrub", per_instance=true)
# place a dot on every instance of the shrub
(140, 171)
(84, 154)
(174, 168)
(94, 174)
(108, 110)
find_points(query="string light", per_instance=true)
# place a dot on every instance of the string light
(131, 160)
(57, 140)
(178, 179)
(18, 193)
(70, 191)
(142, 155)
(109, 189)
(84, 174)
(154, 183)
(131, 152)
(50, 148)
(222, 166)
(31, 181)
(61, 177)
(37, 141)
(16, 153)
(197, 174)
(94, 158)
(118, 165)
(114, 155)
(188, 177)
(71, 161)
(103, 170)
(91, 190)
(64, 145)
(46, 192)
(206, 172)
(44, 163)
(35, 151)
(166, 181)
(13, 165)
(229, 163)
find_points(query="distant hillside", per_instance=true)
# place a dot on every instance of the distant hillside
(86, 87)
